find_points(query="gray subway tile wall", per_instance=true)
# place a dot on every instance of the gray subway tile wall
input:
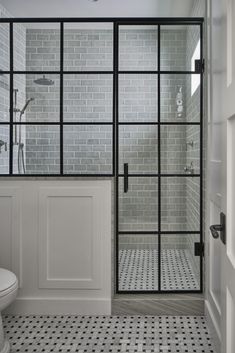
(138, 48)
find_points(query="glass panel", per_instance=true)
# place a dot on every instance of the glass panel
(38, 148)
(88, 149)
(138, 47)
(19, 46)
(88, 46)
(178, 44)
(88, 98)
(4, 47)
(4, 98)
(4, 149)
(138, 147)
(180, 149)
(138, 98)
(138, 262)
(138, 208)
(41, 43)
(180, 268)
(177, 103)
(180, 203)
(37, 97)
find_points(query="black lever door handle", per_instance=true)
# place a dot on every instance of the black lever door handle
(216, 228)
(125, 177)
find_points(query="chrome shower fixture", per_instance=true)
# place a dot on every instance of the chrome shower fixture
(189, 168)
(179, 103)
(190, 143)
(44, 81)
(26, 105)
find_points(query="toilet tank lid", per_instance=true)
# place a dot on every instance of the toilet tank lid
(7, 279)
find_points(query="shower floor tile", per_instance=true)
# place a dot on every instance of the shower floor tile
(139, 270)
(183, 334)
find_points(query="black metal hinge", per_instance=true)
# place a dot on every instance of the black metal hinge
(199, 249)
(199, 65)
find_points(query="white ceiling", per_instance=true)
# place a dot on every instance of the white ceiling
(100, 8)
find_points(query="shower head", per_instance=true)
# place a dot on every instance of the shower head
(26, 105)
(43, 81)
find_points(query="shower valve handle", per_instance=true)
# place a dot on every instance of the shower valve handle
(2, 143)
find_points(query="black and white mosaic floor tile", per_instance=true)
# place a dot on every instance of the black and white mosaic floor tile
(124, 334)
(139, 270)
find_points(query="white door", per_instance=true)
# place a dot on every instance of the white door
(221, 176)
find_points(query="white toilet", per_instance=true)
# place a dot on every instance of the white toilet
(8, 292)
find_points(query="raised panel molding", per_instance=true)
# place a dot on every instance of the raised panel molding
(70, 237)
(11, 230)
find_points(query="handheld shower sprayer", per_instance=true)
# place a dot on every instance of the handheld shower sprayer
(21, 157)
(26, 105)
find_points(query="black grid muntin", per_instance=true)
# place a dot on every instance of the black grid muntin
(116, 22)
(78, 72)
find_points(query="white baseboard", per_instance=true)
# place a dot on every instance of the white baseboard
(213, 326)
(59, 306)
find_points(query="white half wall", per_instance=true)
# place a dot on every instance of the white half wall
(56, 237)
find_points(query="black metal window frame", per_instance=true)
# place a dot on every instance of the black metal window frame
(116, 22)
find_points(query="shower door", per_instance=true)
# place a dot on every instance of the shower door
(158, 80)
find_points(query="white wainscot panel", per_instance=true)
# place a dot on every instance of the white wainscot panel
(10, 235)
(70, 237)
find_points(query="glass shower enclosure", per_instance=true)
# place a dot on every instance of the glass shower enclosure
(159, 156)
(119, 98)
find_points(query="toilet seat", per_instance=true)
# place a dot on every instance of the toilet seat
(8, 282)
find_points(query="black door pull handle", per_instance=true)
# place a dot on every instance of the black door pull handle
(125, 177)
(216, 228)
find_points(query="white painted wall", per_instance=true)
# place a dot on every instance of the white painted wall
(100, 8)
(56, 237)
